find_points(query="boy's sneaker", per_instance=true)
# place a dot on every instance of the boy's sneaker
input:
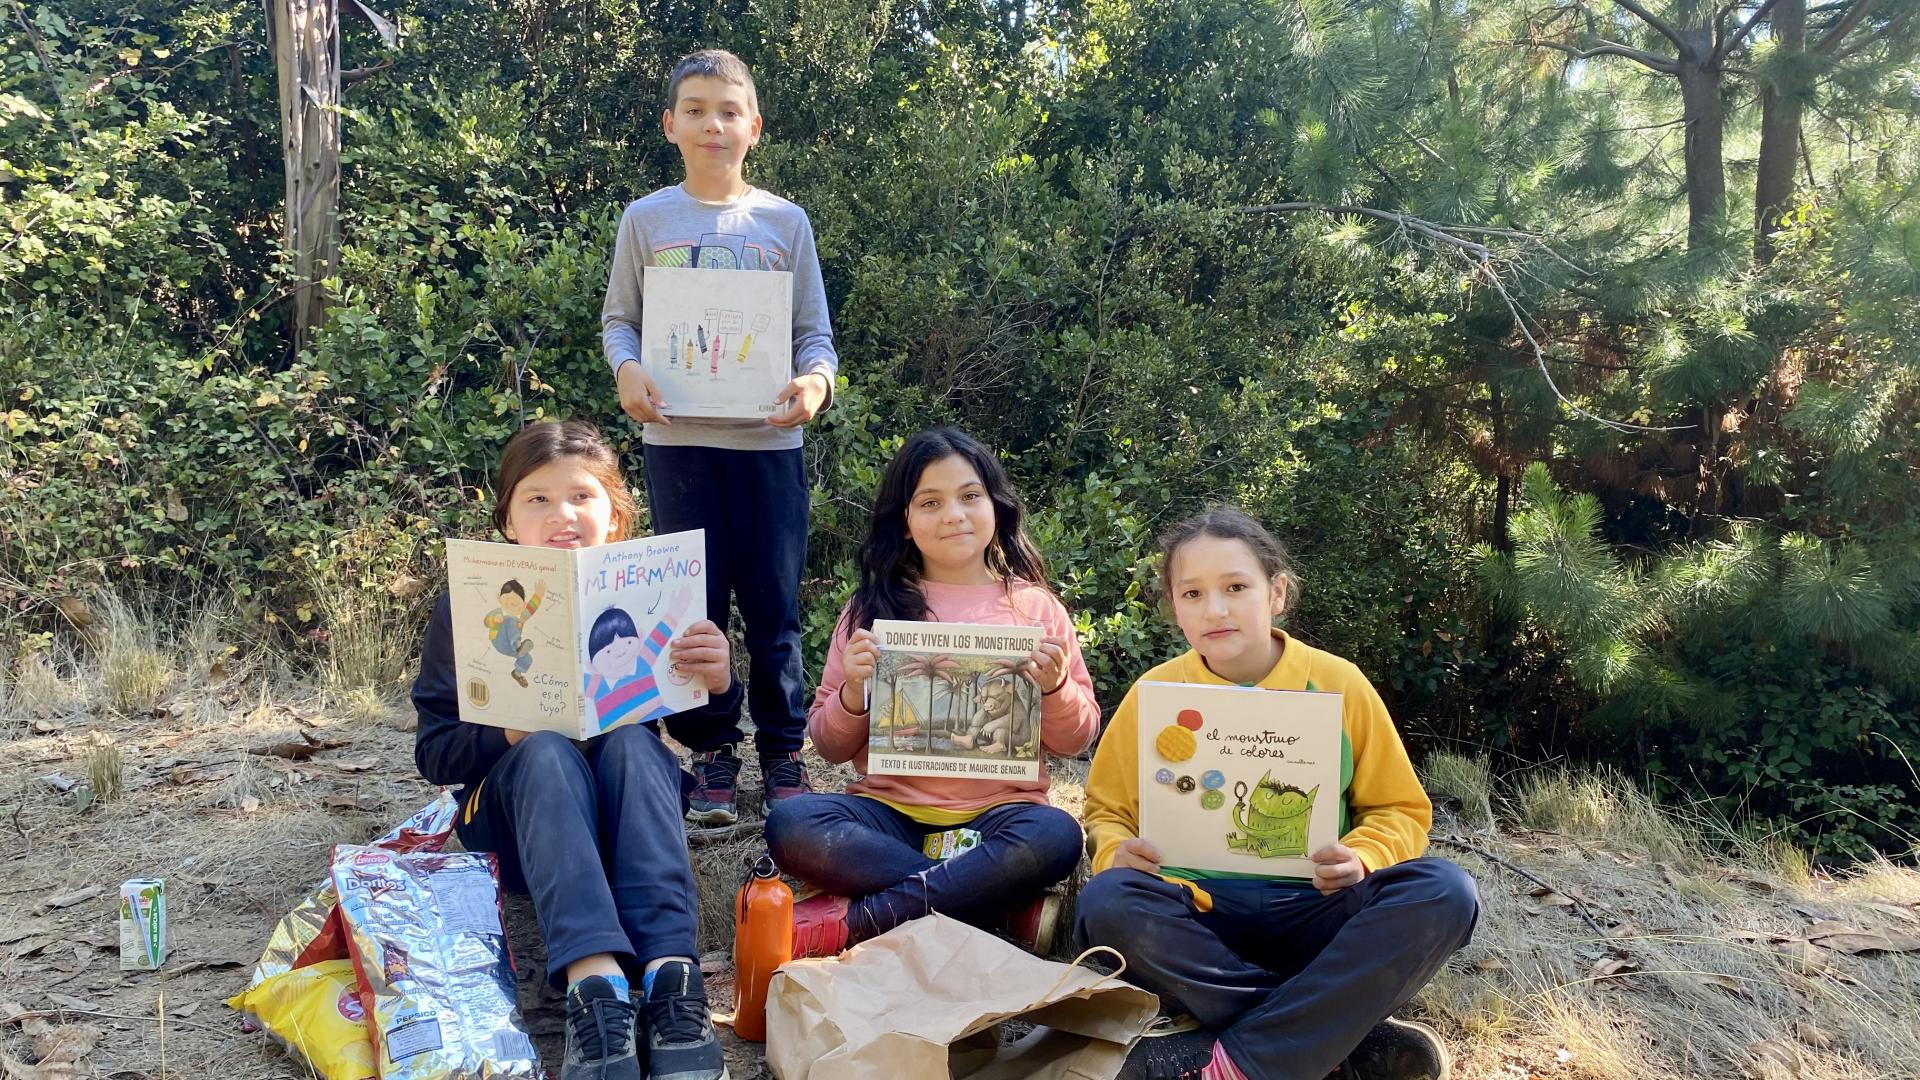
(600, 1044)
(819, 926)
(715, 776)
(1398, 1050)
(1033, 925)
(782, 776)
(1170, 1050)
(681, 1044)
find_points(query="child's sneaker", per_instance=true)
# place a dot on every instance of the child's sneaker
(1398, 1050)
(1170, 1050)
(715, 776)
(819, 926)
(1033, 925)
(681, 1044)
(783, 776)
(600, 1043)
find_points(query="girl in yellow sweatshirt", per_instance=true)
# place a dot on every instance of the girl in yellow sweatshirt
(1289, 979)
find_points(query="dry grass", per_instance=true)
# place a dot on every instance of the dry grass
(1603, 806)
(372, 641)
(106, 770)
(134, 671)
(1468, 780)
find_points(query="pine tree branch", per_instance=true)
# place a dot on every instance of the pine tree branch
(1665, 28)
(1662, 64)
(1733, 40)
(1859, 10)
(1886, 28)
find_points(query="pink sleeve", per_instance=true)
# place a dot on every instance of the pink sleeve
(1070, 716)
(837, 734)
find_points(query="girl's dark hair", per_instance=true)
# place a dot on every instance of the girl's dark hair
(890, 566)
(541, 444)
(1225, 521)
(610, 624)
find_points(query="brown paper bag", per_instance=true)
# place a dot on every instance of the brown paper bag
(923, 999)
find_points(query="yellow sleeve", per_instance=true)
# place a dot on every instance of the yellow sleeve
(1113, 785)
(1391, 814)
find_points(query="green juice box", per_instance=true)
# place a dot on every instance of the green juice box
(143, 924)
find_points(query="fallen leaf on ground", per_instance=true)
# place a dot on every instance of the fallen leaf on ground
(1609, 966)
(1776, 1058)
(1728, 983)
(79, 896)
(65, 1043)
(1838, 936)
(1801, 956)
(14, 1069)
(292, 751)
(1813, 1036)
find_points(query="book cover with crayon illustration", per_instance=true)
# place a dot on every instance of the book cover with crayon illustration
(574, 641)
(1239, 780)
(718, 343)
(952, 699)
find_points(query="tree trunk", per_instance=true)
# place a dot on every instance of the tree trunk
(306, 53)
(1706, 122)
(1780, 105)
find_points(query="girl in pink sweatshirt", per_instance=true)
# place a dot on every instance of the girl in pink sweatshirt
(946, 544)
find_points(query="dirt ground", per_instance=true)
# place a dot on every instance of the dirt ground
(1595, 958)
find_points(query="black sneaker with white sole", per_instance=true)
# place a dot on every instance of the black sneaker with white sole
(1398, 1050)
(681, 1044)
(600, 1042)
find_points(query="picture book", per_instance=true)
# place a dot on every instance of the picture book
(574, 641)
(718, 343)
(953, 699)
(1239, 780)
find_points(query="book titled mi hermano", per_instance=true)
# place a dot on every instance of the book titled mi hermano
(1239, 781)
(574, 641)
(953, 699)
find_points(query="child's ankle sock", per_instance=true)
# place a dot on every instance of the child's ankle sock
(622, 989)
(1222, 1066)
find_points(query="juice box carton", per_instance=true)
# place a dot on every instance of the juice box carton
(143, 924)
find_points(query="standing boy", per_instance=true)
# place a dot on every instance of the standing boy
(743, 481)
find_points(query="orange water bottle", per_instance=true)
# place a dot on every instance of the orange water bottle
(762, 941)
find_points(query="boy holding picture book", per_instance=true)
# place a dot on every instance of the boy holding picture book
(1298, 914)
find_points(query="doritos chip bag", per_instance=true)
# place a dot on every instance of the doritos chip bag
(426, 830)
(430, 951)
(315, 1010)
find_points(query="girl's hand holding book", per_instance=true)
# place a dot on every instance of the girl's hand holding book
(1335, 867)
(857, 662)
(1048, 667)
(703, 653)
(1137, 854)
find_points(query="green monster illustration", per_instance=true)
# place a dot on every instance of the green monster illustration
(1274, 826)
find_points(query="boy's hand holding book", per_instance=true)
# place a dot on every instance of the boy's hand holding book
(857, 662)
(800, 400)
(640, 397)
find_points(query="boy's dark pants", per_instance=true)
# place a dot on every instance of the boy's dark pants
(1291, 979)
(753, 505)
(862, 848)
(595, 836)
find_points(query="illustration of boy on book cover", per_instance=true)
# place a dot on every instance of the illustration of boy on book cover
(621, 665)
(505, 625)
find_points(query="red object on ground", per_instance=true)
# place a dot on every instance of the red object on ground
(762, 941)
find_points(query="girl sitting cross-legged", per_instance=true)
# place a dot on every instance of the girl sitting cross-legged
(945, 543)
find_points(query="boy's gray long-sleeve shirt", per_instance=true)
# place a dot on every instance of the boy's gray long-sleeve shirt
(757, 231)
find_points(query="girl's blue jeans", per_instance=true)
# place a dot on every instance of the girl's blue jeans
(1291, 979)
(864, 849)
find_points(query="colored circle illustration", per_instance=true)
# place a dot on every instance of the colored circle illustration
(1164, 776)
(1211, 799)
(1189, 719)
(1184, 784)
(1213, 780)
(1175, 743)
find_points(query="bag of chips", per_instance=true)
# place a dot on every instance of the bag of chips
(288, 946)
(315, 1010)
(429, 948)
